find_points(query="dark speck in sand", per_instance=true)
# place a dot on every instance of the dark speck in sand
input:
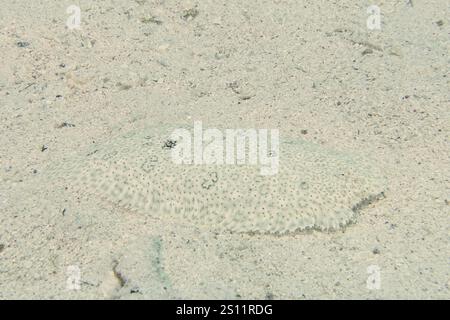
(367, 51)
(135, 290)
(23, 44)
(169, 144)
(189, 14)
(65, 125)
(269, 296)
(151, 19)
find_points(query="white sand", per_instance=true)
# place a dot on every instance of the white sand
(304, 65)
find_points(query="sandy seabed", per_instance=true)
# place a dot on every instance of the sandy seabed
(312, 69)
